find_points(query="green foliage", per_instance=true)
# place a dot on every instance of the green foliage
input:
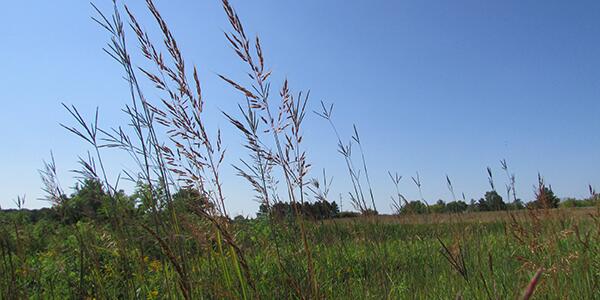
(456, 206)
(348, 214)
(545, 198)
(438, 207)
(356, 259)
(414, 207)
(492, 201)
(321, 209)
(184, 199)
(515, 205)
(86, 202)
(572, 202)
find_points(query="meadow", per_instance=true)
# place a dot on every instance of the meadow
(384, 257)
(175, 238)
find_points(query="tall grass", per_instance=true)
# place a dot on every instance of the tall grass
(154, 245)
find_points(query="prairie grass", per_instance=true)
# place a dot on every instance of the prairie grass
(174, 238)
(357, 258)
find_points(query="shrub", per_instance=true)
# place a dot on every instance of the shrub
(492, 201)
(414, 207)
(456, 206)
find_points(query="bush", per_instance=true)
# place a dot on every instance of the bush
(545, 198)
(456, 206)
(348, 214)
(414, 207)
(572, 202)
(491, 202)
(439, 207)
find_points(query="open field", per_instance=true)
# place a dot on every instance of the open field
(580, 213)
(358, 258)
(172, 234)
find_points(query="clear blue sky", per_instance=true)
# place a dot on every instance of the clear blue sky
(439, 87)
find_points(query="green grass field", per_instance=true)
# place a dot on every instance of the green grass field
(358, 258)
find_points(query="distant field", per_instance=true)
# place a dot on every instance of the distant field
(476, 217)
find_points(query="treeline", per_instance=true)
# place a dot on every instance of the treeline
(318, 210)
(89, 201)
(492, 201)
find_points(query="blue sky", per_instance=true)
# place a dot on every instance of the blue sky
(438, 87)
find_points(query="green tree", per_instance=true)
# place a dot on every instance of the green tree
(85, 202)
(545, 198)
(492, 201)
(321, 209)
(515, 205)
(414, 207)
(456, 206)
(186, 199)
(438, 207)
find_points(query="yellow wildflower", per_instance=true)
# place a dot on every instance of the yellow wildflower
(155, 265)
